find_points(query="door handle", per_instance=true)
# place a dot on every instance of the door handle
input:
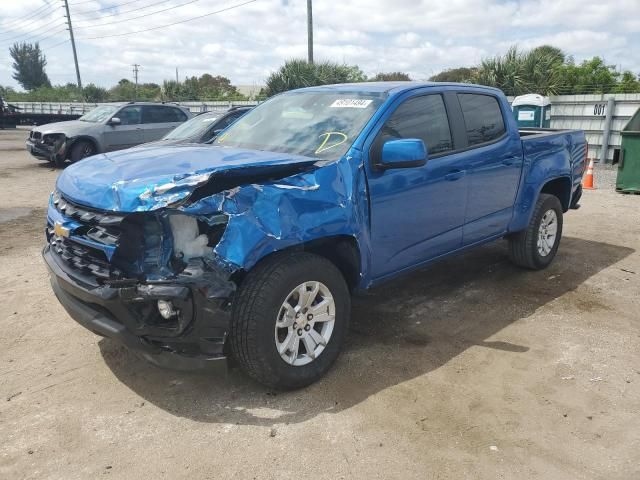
(454, 175)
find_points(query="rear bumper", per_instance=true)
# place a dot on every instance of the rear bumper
(195, 342)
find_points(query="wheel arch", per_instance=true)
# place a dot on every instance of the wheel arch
(341, 250)
(559, 187)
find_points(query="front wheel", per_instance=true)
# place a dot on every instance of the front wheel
(289, 319)
(536, 246)
(81, 149)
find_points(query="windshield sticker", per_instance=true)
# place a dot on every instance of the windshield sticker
(350, 103)
(325, 145)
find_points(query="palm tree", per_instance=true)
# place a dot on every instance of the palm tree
(519, 72)
(298, 73)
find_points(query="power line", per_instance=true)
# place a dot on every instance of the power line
(80, 3)
(141, 16)
(31, 22)
(51, 47)
(35, 13)
(31, 31)
(106, 8)
(155, 4)
(38, 38)
(174, 23)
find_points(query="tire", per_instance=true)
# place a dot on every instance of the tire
(526, 248)
(81, 149)
(260, 303)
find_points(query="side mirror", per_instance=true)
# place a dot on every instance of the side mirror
(403, 153)
(115, 121)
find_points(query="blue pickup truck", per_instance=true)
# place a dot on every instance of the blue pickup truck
(251, 247)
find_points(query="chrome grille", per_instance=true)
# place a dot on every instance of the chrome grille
(97, 227)
(84, 259)
(86, 215)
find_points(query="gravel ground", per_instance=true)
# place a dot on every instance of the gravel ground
(604, 176)
(470, 369)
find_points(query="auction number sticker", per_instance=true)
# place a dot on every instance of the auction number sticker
(350, 103)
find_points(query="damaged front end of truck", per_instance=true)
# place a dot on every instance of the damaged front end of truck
(154, 262)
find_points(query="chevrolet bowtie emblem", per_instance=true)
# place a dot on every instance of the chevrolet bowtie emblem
(60, 230)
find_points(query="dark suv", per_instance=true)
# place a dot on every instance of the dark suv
(202, 128)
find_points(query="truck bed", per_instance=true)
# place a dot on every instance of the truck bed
(541, 132)
(554, 153)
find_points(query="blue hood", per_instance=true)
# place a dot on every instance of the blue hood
(149, 178)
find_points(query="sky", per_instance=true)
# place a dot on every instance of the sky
(247, 42)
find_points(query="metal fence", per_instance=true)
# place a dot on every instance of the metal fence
(76, 108)
(602, 117)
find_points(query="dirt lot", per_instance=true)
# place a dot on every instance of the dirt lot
(470, 369)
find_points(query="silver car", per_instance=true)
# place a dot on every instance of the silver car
(104, 129)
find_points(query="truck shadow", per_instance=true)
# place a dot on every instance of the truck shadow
(398, 332)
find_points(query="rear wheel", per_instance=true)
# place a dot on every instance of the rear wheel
(289, 320)
(536, 247)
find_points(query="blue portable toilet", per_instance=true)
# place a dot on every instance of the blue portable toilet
(532, 110)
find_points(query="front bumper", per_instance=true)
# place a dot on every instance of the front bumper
(43, 151)
(196, 340)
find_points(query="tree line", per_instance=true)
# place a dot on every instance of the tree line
(546, 70)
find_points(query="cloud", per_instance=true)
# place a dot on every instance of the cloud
(578, 42)
(421, 37)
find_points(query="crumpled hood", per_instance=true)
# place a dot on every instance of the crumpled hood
(145, 179)
(69, 128)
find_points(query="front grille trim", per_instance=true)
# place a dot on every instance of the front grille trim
(96, 226)
(86, 215)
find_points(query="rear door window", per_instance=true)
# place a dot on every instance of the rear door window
(482, 118)
(162, 114)
(226, 121)
(178, 114)
(422, 117)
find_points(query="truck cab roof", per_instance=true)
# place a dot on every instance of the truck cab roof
(393, 88)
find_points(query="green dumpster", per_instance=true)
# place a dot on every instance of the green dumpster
(532, 111)
(628, 180)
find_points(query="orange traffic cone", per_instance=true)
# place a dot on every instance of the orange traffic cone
(587, 183)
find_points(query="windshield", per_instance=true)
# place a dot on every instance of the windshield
(194, 127)
(317, 124)
(99, 114)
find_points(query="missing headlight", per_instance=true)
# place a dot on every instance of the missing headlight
(194, 237)
(53, 138)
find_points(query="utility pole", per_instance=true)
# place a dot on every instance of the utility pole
(309, 32)
(177, 78)
(135, 76)
(73, 43)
